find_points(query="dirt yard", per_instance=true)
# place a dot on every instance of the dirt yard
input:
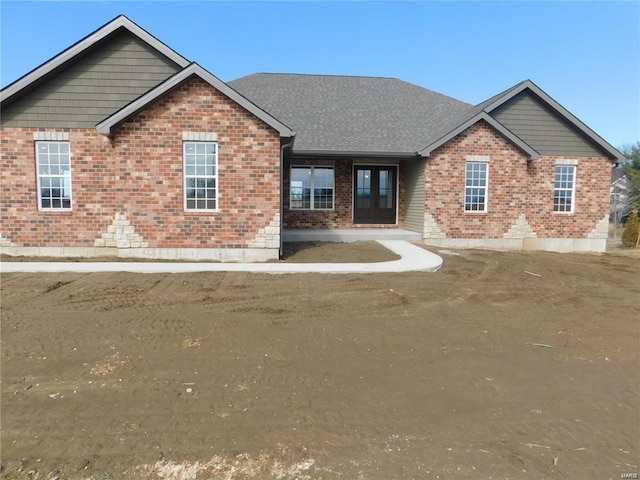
(479, 371)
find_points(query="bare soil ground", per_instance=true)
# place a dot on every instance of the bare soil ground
(477, 371)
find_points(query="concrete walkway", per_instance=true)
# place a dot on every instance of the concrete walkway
(413, 259)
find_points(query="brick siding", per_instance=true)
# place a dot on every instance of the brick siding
(516, 186)
(139, 173)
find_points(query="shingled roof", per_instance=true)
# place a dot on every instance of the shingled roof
(354, 115)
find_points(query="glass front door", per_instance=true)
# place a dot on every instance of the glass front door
(374, 194)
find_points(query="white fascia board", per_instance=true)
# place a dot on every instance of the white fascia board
(86, 43)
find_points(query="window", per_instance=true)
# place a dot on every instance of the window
(475, 192)
(200, 176)
(54, 175)
(564, 190)
(312, 188)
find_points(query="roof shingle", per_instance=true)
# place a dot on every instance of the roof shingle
(363, 114)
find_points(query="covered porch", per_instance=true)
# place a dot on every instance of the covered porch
(338, 199)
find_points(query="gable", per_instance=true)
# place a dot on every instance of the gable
(193, 70)
(541, 127)
(104, 78)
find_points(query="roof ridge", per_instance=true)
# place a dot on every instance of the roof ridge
(319, 75)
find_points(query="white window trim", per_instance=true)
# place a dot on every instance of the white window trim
(311, 203)
(185, 176)
(39, 176)
(573, 164)
(476, 159)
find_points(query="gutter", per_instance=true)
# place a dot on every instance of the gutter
(289, 144)
(353, 154)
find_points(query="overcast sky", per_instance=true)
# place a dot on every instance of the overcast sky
(586, 55)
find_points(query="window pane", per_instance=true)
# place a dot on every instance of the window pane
(54, 172)
(300, 187)
(199, 172)
(302, 175)
(476, 186)
(66, 187)
(311, 188)
(564, 188)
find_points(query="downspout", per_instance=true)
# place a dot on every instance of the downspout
(282, 148)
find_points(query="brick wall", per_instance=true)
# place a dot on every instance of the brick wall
(138, 173)
(516, 187)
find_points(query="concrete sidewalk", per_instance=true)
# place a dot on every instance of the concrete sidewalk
(413, 259)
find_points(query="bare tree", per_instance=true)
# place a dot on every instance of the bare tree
(622, 202)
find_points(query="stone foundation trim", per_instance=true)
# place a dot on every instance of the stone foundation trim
(232, 255)
(269, 236)
(601, 230)
(5, 242)
(121, 234)
(200, 136)
(478, 158)
(431, 228)
(51, 136)
(520, 229)
(545, 244)
(566, 161)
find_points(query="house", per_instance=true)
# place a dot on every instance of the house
(121, 146)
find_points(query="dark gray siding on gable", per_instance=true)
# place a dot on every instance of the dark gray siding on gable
(540, 127)
(107, 78)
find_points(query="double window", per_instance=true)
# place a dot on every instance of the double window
(200, 176)
(564, 189)
(54, 175)
(312, 188)
(475, 192)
